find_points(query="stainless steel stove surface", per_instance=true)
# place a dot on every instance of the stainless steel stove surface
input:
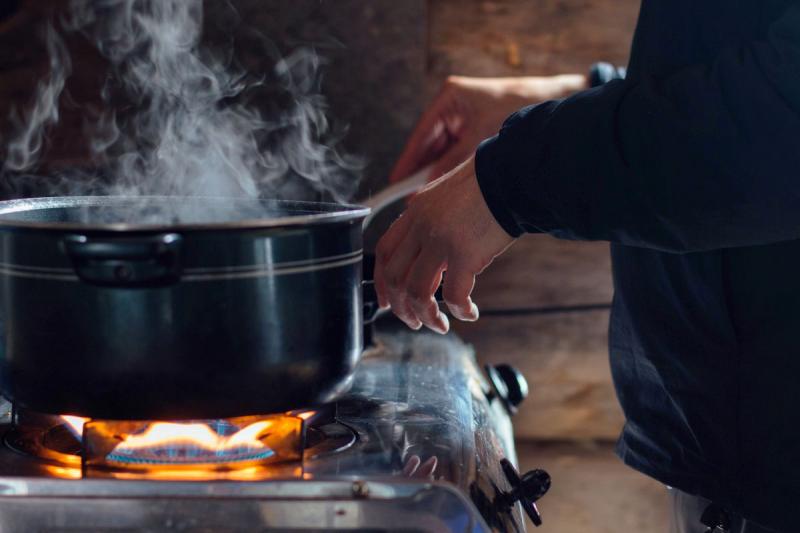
(422, 443)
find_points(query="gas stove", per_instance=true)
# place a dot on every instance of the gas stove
(422, 442)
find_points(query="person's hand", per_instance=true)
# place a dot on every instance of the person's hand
(446, 230)
(468, 110)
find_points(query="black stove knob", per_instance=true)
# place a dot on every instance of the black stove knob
(526, 490)
(508, 385)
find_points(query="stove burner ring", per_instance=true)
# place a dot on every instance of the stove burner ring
(178, 455)
(183, 451)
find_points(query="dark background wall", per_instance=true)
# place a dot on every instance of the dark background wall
(375, 64)
(385, 60)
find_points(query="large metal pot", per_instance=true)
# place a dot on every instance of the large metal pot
(238, 307)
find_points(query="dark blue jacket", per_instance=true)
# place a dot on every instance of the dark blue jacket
(690, 167)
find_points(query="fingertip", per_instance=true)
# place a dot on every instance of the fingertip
(383, 301)
(410, 324)
(474, 313)
(441, 325)
(468, 313)
(454, 310)
(445, 323)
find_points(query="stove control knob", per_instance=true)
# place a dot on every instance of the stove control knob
(526, 490)
(508, 385)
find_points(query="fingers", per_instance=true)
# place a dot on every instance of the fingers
(410, 280)
(383, 254)
(458, 285)
(423, 280)
(406, 278)
(407, 275)
(396, 252)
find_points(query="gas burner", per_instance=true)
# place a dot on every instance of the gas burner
(260, 446)
(214, 442)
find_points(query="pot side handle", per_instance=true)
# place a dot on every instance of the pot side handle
(125, 262)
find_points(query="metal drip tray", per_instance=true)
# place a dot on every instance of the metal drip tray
(235, 507)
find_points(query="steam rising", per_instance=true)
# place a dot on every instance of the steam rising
(25, 148)
(192, 132)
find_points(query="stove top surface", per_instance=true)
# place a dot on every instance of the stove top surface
(417, 434)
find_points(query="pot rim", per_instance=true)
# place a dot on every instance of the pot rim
(309, 213)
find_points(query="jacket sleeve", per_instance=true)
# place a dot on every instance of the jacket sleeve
(704, 159)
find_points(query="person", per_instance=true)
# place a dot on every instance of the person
(690, 168)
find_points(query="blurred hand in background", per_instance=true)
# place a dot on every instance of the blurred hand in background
(468, 110)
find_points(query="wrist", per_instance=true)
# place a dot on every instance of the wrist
(493, 190)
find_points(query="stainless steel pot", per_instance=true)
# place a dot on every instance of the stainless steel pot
(205, 307)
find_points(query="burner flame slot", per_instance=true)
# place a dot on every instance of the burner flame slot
(203, 446)
(168, 443)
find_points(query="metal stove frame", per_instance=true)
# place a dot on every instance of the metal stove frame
(420, 394)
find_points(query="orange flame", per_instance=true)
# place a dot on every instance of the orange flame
(199, 435)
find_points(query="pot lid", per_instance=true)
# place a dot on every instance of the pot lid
(147, 213)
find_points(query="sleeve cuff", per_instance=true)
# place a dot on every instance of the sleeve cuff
(511, 174)
(492, 186)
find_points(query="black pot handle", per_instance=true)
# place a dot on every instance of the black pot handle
(142, 261)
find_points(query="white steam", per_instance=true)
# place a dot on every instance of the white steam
(190, 133)
(24, 149)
